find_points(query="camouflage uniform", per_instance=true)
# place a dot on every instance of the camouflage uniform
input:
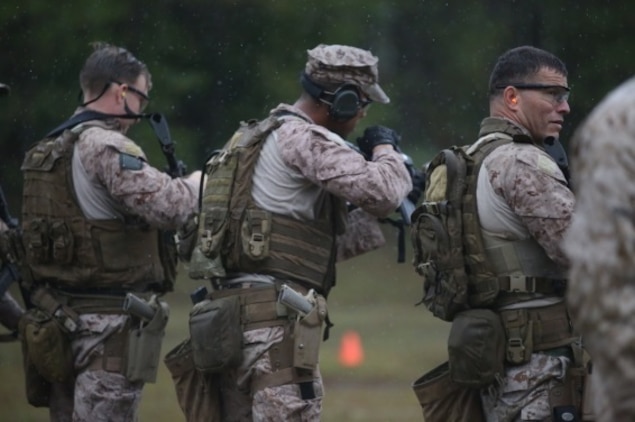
(522, 193)
(300, 164)
(600, 247)
(107, 190)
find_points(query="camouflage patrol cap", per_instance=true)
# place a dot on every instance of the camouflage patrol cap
(334, 65)
(4, 89)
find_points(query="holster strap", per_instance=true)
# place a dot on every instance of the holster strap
(115, 352)
(281, 377)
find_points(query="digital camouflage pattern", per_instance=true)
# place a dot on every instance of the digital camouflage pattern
(601, 247)
(377, 187)
(149, 193)
(282, 403)
(334, 65)
(531, 185)
(532, 199)
(524, 393)
(97, 395)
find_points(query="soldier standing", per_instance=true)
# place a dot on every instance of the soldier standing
(93, 220)
(287, 225)
(524, 206)
(600, 247)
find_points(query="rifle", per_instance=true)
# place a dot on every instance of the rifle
(9, 272)
(406, 207)
(556, 150)
(175, 168)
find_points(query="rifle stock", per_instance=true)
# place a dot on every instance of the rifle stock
(176, 168)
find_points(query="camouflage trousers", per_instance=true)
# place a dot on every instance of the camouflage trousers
(288, 403)
(95, 395)
(524, 393)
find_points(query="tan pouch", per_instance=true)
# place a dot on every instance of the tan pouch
(48, 345)
(476, 348)
(144, 347)
(444, 401)
(307, 335)
(198, 394)
(216, 334)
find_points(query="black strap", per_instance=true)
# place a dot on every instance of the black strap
(89, 115)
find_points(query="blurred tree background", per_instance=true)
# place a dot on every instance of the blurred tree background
(216, 63)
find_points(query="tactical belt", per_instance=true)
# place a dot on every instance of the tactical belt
(259, 307)
(527, 284)
(545, 328)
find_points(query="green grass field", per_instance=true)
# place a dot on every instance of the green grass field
(375, 297)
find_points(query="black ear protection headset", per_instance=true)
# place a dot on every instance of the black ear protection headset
(344, 103)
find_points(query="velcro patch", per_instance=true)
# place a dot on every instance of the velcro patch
(130, 162)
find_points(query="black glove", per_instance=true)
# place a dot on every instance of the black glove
(418, 183)
(377, 135)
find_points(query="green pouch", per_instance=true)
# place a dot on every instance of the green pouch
(476, 347)
(38, 389)
(307, 334)
(144, 346)
(216, 334)
(198, 394)
(256, 234)
(48, 346)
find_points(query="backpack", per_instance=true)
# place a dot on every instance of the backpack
(449, 251)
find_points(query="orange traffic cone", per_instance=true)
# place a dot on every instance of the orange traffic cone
(351, 351)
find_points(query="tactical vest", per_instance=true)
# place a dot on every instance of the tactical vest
(462, 266)
(235, 235)
(66, 250)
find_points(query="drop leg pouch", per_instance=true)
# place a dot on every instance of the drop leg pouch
(216, 334)
(442, 400)
(198, 394)
(38, 389)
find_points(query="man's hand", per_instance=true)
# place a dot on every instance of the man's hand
(377, 135)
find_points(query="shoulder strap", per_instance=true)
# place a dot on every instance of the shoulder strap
(82, 117)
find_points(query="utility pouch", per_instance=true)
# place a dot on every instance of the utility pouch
(442, 400)
(476, 347)
(36, 242)
(307, 334)
(198, 394)
(38, 389)
(48, 345)
(61, 242)
(202, 267)
(216, 334)
(519, 333)
(256, 234)
(144, 346)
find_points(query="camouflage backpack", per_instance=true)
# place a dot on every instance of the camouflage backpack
(449, 252)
